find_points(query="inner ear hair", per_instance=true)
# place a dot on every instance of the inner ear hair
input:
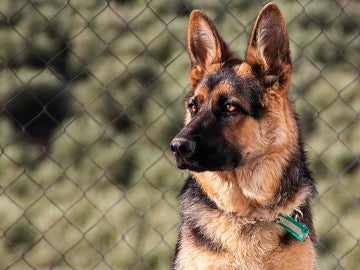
(268, 50)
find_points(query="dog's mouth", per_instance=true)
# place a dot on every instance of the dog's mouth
(185, 165)
(196, 167)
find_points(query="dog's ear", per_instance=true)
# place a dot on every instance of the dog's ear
(205, 46)
(268, 51)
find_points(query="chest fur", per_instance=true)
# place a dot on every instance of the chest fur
(223, 242)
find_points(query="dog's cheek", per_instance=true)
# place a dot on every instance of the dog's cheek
(285, 132)
(244, 135)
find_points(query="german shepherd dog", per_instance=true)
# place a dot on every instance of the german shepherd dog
(246, 203)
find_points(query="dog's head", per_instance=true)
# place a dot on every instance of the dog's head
(237, 110)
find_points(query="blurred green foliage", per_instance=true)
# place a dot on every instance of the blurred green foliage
(91, 94)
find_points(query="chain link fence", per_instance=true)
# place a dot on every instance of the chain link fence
(91, 94)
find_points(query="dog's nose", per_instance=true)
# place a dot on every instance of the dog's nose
(182, 147)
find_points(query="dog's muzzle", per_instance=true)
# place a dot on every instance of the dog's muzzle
(203, 154)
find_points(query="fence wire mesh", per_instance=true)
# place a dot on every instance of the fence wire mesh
(91, 94)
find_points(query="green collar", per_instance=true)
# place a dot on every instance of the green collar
(290, 223)
(297, 229)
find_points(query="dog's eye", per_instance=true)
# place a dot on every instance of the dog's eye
(192, 108)
(230, 107)
(234, 108)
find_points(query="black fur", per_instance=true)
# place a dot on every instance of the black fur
(192, 194)
(212, 152)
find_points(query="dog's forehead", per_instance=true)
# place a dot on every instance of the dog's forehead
(229, 80)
